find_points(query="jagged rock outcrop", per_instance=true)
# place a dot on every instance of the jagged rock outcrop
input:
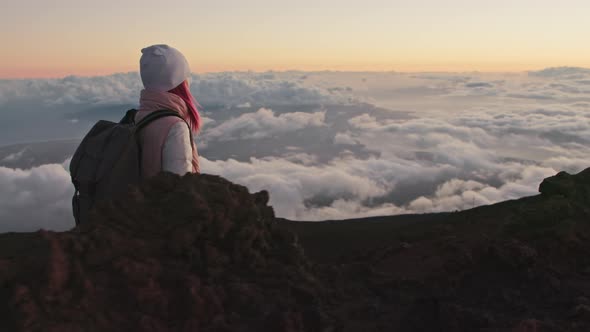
(196, 253)
(572, 186)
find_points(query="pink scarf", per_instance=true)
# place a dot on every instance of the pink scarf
(154, 135)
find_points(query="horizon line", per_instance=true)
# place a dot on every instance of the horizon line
(302, 71)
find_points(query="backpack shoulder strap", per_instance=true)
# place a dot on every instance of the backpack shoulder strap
(129, 117)
(156, 115)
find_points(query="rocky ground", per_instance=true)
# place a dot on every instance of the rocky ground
(520, 265)
(199, 253)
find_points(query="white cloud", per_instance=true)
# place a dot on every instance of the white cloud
(98, 90)
(292, 184)
(458, 194)
(37, 198)
(571, 165)
(344, 138)
(481, 155)
(561, 72)
(344, 188)
(14, 156)
(456, 186)
(343, 209)
(266, 89)
(240, 89)
(261, 124)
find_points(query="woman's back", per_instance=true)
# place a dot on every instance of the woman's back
(167, 142)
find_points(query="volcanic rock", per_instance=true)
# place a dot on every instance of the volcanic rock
(196, 253)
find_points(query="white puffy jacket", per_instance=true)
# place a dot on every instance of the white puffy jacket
(177, 152)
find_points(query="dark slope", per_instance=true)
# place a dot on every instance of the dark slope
(339, 240)
(521, 265)
(199, 253)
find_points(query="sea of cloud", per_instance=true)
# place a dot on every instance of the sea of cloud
(213, 90)
(335, 145)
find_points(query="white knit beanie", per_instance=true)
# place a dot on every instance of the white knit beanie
(162, 68)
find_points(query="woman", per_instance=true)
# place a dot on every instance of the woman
(166, 142)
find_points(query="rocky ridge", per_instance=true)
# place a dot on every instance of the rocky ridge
(198, 253)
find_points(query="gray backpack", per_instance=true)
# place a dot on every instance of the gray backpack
(108, 161)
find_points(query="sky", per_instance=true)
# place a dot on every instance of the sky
(65, 37)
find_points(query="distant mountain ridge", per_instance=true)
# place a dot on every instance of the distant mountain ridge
(34, 154)
(561, 72)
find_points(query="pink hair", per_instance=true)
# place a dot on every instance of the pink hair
(183, 91)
